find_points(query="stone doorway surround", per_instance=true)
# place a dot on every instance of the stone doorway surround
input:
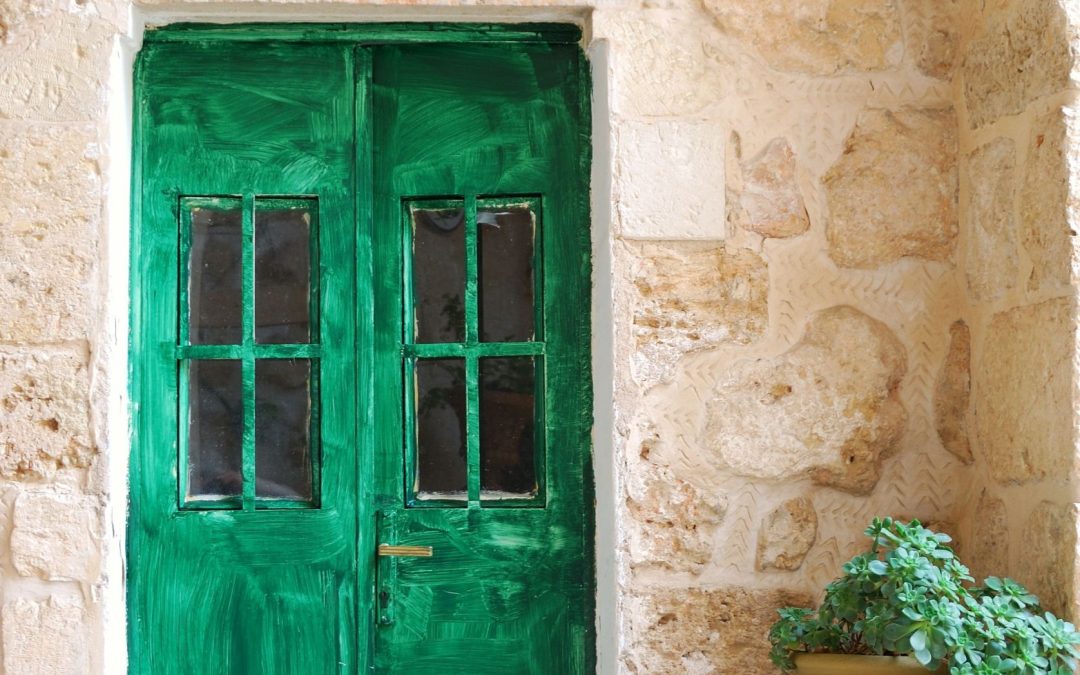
(833, 279)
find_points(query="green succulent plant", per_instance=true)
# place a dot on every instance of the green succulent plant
(909, 595)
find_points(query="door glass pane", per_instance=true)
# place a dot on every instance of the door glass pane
(214, 276)
(282, 273)
(283, 428)
(438, 274)
(440, 429)
(507, 308)
(215, 429)
(507, 427)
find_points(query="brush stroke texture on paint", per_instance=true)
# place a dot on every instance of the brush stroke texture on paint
(295, 591)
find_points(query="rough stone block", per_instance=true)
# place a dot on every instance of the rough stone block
(893, 192)
(952, 394)
(1023, 54)
(56, 535)
(766, 198)
(46, 637)
(50, 204)
(692, 630)
(786, 535)
(669, 178)
(931, 30)
(673, 523)
(692, 295)
(992, 246)
(44, 401)
(1049, 546)
(819, 37)
(1045, 203)
(829, 407)
(55, 68)
(990, 539)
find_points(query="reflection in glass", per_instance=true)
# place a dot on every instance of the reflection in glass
(282, 275)
(214, 277)
(283, 428)
(441, 464)
(507, 431)
(438, 274)
(506, 274)
(215, 429)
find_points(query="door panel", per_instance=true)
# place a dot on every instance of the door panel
(250, 567)
(484, 128)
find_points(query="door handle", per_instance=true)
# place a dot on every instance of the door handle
(393, 551)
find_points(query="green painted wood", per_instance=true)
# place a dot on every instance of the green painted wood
(509, 588)
(479, 113)
(272, 588)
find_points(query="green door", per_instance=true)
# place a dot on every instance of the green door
(360, 352)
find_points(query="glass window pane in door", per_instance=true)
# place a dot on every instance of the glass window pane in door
(214, 274)
(507, 427)
(283, 272)
(440, 404)
(215, 429)
(507, 283)
(438, 274)
(283, 408)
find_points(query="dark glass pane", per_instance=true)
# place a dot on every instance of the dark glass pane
(507, 310)
(507, 427)
(438, 271)
(441, 463)
(283, 428)
(215, 429)
(215, 297)
(283, 275)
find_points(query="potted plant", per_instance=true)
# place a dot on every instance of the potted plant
(908, 605)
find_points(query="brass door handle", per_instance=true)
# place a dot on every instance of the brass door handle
(390, 550)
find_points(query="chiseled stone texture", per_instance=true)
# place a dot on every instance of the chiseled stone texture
(693, 295)
(930, 27)
(786, 535)
(49, 636)
(56, 535)
(991, 220)
(50, 194)
(829, 407)
(818, 37)
(673, 523)
(669, 177)
(44, 402)
(989, 553)
(1044, 203)
(1049, 546)
(699, 631)
(767, 198)
(893, 191)
(1023, 391)
(952, 394)
(1023, 54)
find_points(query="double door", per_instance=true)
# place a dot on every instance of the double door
(360, 357)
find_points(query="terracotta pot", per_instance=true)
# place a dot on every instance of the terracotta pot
(857, 664)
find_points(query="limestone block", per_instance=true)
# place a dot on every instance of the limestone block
(44, 402)
(50, 203)
(673, 523)
(669, 178)
(829, 407)
(952, 394)
(893, 192)
(46, 637)
(1045, 203)
(1023, 54)
(55, 68)
(1022, 386)
(1049, 546)
(692, 295)
(692, 630)
(767, 198)
(819, 37)
(991, 220)
(786, 535)
(930, 27)
(56, 535)
(990, 539)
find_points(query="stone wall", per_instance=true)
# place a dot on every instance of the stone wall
(1016, 97)
(842, 283)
